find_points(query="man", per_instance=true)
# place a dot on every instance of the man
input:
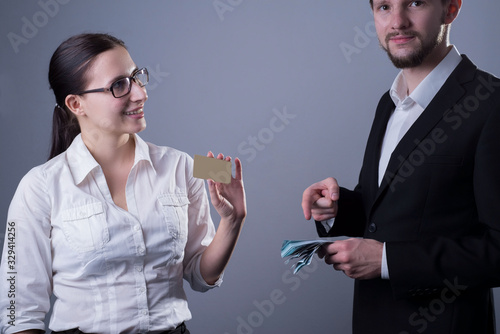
(427, 201)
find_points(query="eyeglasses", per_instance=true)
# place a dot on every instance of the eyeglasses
(123, 86)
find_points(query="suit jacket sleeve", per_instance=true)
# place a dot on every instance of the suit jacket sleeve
(351, 218)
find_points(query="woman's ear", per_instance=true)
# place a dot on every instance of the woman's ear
(74, 104)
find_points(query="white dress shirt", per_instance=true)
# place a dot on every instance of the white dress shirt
(110, 270)
(410, 107)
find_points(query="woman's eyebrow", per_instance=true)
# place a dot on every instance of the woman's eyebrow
(118, 77)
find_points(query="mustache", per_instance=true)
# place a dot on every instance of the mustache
(405, 34)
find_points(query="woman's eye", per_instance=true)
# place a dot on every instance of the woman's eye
(120, 85)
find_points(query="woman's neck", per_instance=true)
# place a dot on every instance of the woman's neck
(111, 151)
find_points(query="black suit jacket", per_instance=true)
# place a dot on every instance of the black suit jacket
(437, 209)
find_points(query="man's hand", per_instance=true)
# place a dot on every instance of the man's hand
(357, 258)
(320, 200)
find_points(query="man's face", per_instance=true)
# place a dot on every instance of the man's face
(410, 31)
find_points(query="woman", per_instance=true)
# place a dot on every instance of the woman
(111, 224)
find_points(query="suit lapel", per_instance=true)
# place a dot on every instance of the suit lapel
(445, 100)
(372, 153)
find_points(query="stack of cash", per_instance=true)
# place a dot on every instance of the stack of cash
(302, 249)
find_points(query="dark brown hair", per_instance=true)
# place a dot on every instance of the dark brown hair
(67, 75)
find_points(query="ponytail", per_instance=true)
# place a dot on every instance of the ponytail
(65, 128)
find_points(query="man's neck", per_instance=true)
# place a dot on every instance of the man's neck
(414, 76)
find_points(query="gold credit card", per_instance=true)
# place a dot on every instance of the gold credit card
(212, 168)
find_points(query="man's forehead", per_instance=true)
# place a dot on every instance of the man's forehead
(381, 2)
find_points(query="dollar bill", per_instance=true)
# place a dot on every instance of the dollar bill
(303, 250)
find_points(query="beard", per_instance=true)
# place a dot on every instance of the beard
(417, 57)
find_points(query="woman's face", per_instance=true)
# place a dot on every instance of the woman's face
(101, 113)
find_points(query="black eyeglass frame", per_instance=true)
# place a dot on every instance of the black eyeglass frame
(131, 78)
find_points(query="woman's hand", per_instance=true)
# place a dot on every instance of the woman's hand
(229, 198)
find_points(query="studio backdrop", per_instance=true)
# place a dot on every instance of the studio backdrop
(288, 86)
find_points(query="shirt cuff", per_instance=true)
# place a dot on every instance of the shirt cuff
(384, 274)
(202, 284)
(328, 224)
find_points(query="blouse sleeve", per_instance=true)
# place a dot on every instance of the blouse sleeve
(26, 257)
(201, 231)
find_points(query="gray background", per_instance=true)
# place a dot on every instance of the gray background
(217, 79)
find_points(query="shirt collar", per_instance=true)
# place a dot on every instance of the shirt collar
(81, 162)
(142, 152)
(428, 88)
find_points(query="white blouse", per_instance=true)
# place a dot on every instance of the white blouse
(110, 270)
